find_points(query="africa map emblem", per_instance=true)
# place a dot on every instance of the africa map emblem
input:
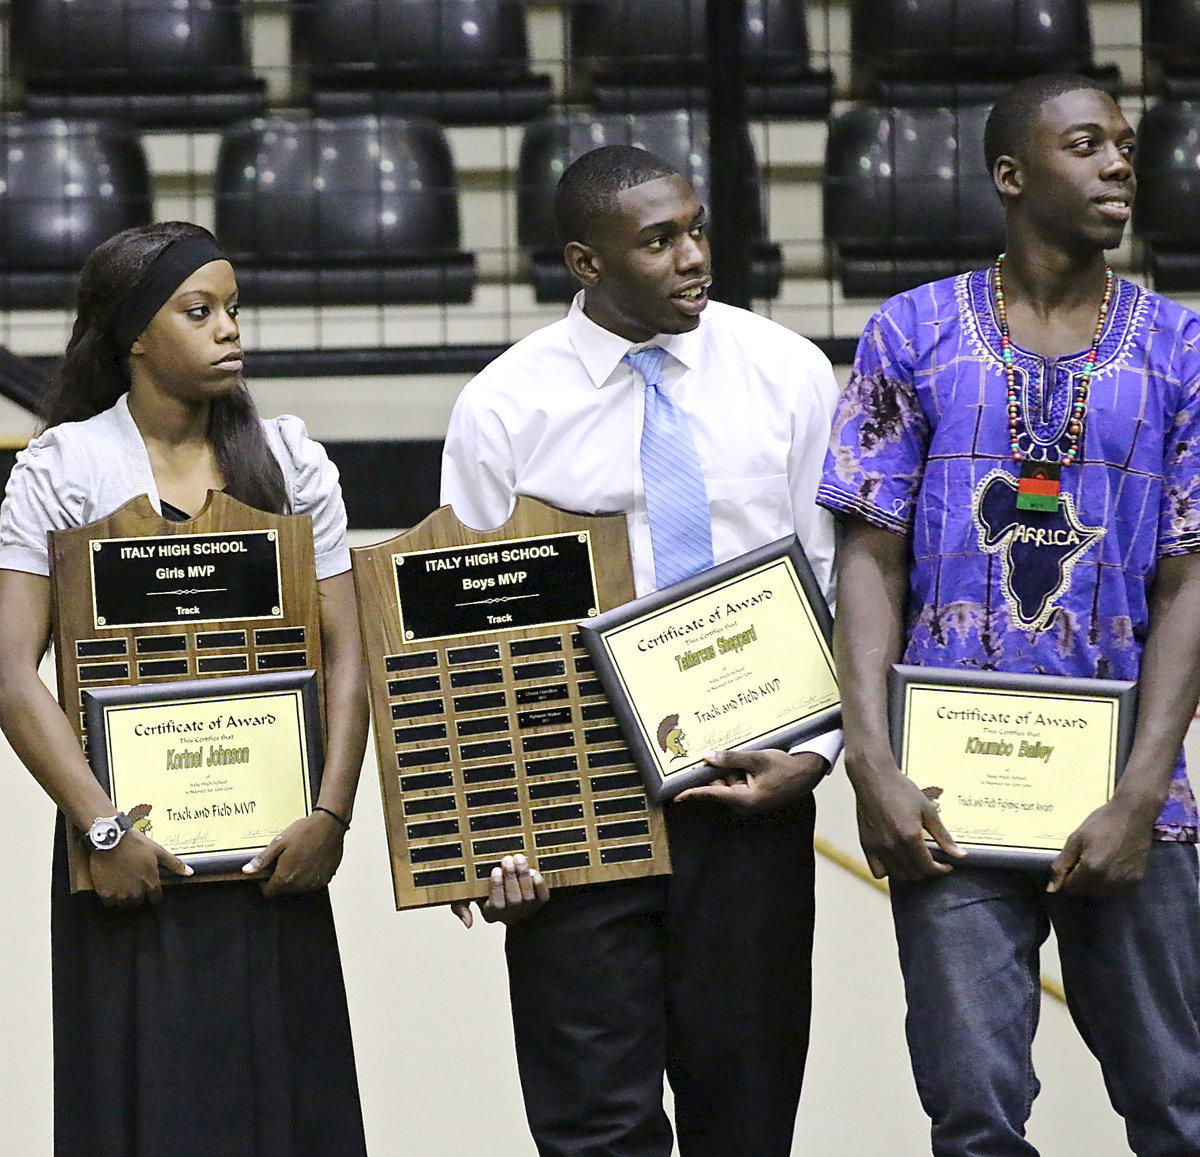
(1037, 550)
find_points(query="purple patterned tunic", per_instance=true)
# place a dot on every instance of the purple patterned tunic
(920, 446)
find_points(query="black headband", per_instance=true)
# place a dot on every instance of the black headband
(174, 264)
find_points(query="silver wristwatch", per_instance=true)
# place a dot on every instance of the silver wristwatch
(106, 831)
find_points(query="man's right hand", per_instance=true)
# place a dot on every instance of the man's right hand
(127, 875)
(895, 818)
(515, 892)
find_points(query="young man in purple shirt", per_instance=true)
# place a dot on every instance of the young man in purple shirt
(970, 399)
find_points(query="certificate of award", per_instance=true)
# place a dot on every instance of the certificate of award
(1015, 763)
(211, 769)
(737, 657)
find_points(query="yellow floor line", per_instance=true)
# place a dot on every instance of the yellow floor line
(1051, 986)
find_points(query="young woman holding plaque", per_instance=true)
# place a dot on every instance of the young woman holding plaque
(197, 1019)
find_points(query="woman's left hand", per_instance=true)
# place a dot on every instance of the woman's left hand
(302, 858)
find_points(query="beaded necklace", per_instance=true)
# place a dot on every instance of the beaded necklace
(1039, 483)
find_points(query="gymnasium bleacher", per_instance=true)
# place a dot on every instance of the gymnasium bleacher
(420, 138)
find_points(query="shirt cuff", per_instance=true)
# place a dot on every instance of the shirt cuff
(828, 744)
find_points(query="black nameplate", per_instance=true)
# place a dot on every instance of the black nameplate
(185, 578)
(207, 640)
(488, 750)
(612, 758)
(623, 781)
(422, 757)
(555, 765)
(468, 590)
(426, 780)
(417, 686)
(551, 716)
(482, 726)
(418, 708)
(153, 644)
(555, 788)
(493, 821)
(548, 741)
(489, 773)
(546, 694)
(418, 733)
(491, 797)
(434, 852)
(423, 806)
(622, 829)
(155, 668)
(279, 636)
(432, 828)
(97, 648)
(413, 662)
(624, 803)
(495, 846)
(435, 876)
(214, 664)
(484, 653)
(625, 854)
(557, 813)
(280, 660)
(485, 701)
(564, 860)
(548, 645)
(559, 836)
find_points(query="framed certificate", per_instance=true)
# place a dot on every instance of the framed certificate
(211, 769)
(736, 657)
(1014, 762)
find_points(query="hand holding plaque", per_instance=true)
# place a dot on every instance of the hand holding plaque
(190, 668)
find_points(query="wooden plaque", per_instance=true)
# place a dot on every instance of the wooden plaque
(493, 733)
(139, 600)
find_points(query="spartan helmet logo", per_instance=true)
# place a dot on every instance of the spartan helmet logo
(671, 737)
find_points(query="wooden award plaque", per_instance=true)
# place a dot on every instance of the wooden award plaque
(143, 602)
(493, 733)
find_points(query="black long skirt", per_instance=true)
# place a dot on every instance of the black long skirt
(213, 1024)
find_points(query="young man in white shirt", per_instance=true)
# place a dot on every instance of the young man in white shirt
(704, 974)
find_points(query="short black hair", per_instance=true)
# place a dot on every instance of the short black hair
(588, 189)
(1016, 111)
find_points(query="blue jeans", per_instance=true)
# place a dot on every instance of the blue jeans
(969, 946)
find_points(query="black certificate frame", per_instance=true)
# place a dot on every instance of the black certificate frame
(596, 633)
(97, 702)
(1122, 694)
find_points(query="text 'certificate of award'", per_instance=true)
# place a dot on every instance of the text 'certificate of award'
(214, 769)
(736, 658)
(1015, 763)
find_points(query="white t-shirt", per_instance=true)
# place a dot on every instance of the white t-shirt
(78, 472)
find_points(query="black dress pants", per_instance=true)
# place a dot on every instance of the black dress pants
(704, 975)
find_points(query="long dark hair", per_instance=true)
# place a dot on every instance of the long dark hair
(95, 371)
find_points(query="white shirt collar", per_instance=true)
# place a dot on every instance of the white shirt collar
(600, 350)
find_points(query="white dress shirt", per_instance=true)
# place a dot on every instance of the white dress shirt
(79, 472)
(558, 416)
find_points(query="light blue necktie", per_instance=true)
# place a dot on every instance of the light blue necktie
(676, 500)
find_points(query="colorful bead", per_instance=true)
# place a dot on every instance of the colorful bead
(1079, 406)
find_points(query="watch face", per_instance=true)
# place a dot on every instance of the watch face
(105, 833)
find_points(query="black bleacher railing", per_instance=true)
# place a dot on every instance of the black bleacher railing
(845, 132)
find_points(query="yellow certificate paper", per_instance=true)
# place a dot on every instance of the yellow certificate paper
(1014, 763)
(210, 769)
(737, 657)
